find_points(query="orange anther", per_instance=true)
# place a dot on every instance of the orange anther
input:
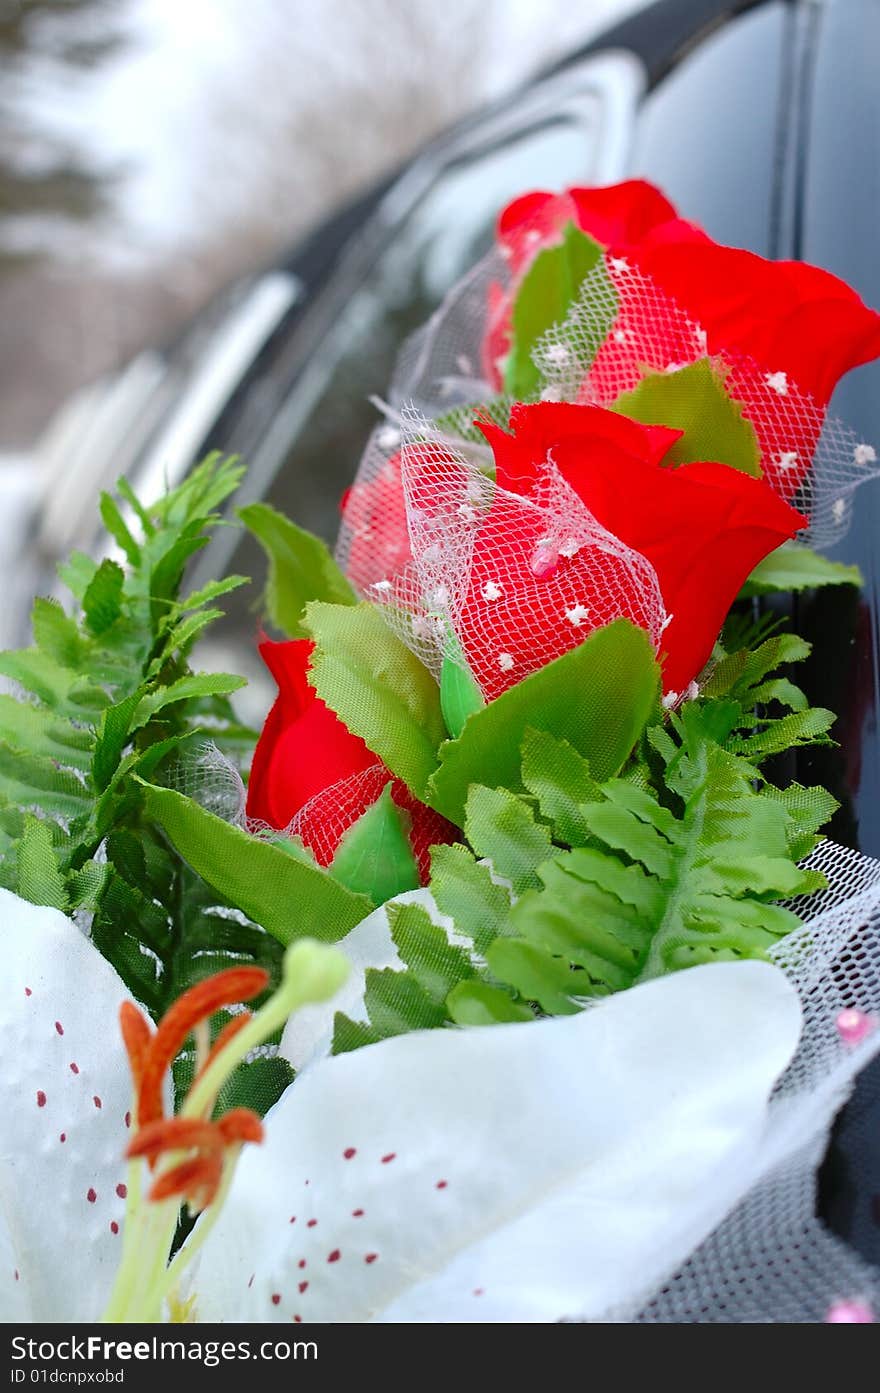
(174, 1134)
(240, 1125)
(136, 1036)
(195, 1180)
(201, 1001)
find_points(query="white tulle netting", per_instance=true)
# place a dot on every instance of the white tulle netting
(772, 1259)
(621, 328)
(808, 457)
(501, 581)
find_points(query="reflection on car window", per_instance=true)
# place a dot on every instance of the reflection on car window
(446, 232)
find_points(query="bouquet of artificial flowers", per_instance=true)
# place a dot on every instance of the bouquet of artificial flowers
(506, 979)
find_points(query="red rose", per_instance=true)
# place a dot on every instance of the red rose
(788, 331)
(311, 775)
(375, 535)
(702, 527)
(618, 215)
(785, 315)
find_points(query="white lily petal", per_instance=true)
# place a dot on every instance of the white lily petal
(521, 1172)
(308, 1035)
(64, 1098)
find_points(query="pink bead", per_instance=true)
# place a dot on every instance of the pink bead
(854, 1025)
(850, 1313)
(545, 561)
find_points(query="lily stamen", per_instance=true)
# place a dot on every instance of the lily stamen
(194, 1155)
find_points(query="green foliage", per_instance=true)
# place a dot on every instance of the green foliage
(287, 896)
(460, 696)
(374, 857)
(547, 291)
(597, 697)
(378, 688)
(658, 889)
(300, 568)
(695, 401)
(794, 567)
(744, 691)
(571, 888)
(109, 695)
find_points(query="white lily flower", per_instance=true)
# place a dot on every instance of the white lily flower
(512, 1172)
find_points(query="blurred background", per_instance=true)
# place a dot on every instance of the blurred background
(152, 150)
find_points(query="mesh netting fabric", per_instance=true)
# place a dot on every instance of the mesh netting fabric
(807, 457)
(621, 327)
(498, 580)
(323, 821)
(772, 1260)
(203, 773)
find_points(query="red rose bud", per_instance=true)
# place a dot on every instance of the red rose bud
(702, 527)
(787, 331)
(310, 770)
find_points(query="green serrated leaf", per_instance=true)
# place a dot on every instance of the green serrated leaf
(375, 857)
(464, 889)
(538, 975)
(118, 528)
(794, 567)
(396, 1003)
(502, 827)
(809, 727)
(32, 781)
(476, 1003)
(352, 1035)
(56, 634)
(378, 688)
(301, 568)
(102, 601)
(560, 779)
(597, 697)
(39, 878)
(694, 399)
(289, 898)
(31, 728)
(435, 963)
(546, 293)
(189, 688)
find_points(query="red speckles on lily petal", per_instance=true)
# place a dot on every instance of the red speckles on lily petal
(122, 1191)
(370, 1257)
(301, 1264)
(334, 1256)
(311, 1224)
(390, 1157)
(357, 1213)
(349, 1152)
(276, 1298)
(59, 1001)
(97, 1101)
(303, 1286)
(441, 1185)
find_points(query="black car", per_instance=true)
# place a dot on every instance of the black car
(761, 121)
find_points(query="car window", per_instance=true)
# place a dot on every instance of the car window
(578, 133)
(449, 228)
